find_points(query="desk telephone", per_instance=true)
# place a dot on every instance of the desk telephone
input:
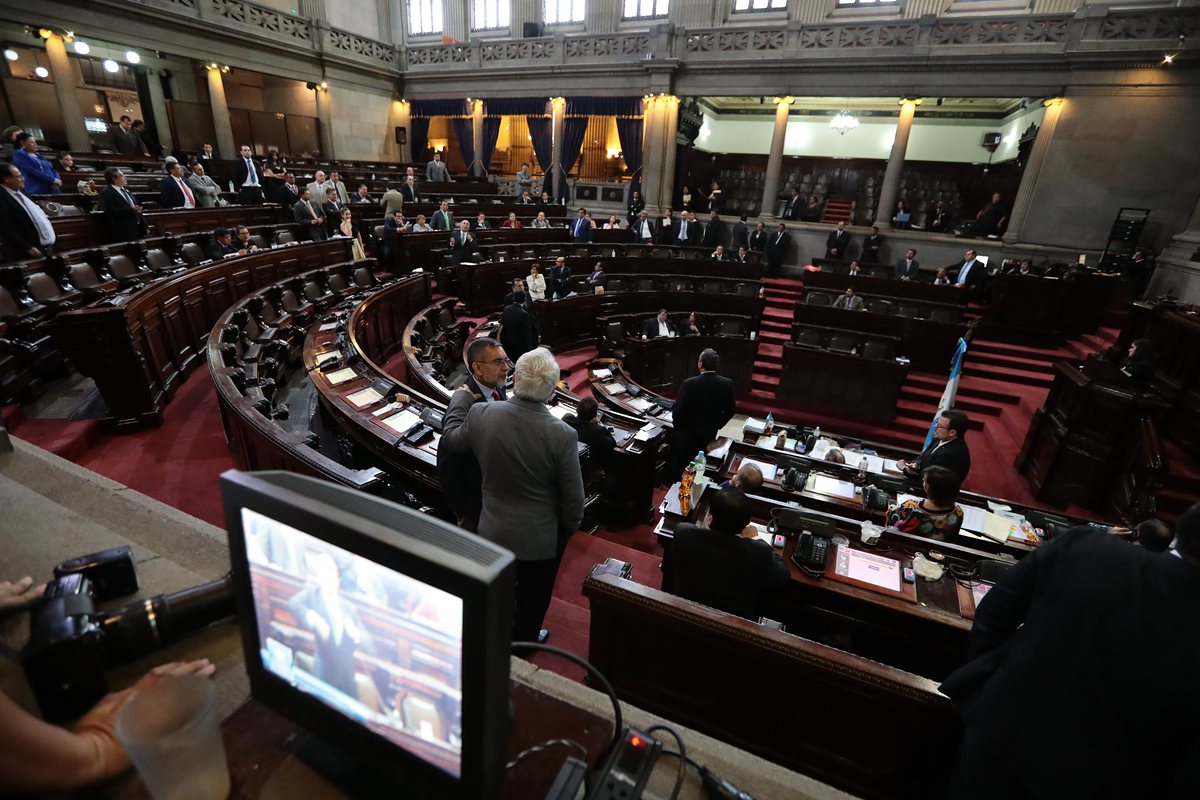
(816, 534)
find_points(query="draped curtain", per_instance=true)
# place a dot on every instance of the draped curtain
(604, 106)
(466, 140)
(574, 131)
(491, 135)
(540, 134)
(418, 137)
(629, 131)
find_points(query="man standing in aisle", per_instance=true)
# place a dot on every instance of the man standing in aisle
(247, 177)
(435, 170)
(532, 484)
(777, 248)
(702, 407)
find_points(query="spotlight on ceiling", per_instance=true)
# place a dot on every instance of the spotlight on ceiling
(41, 72)
(132, 57)
(11, 54)
(110, 65)
(82, 48)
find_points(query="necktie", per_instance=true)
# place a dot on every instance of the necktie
(683, 231)
(125, 194)
(251, 173)
(495, 394)
(187, 193)
(578, 224)
(779, 238)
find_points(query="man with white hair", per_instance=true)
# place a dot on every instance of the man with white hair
(532, 484)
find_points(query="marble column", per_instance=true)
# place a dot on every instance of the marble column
(456, 23)
(670, 132)
(477, 134)
(558, 108)
(325, 123)
(67, 96)
(1177, 268)
(895, 166)
(220, 112)
(770, 198)
(652, 153)
(1033, 166)
(158, 108)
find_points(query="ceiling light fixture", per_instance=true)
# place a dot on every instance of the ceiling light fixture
(11, 54)
(82, 48)
(843, 121)
(110, 65)
(41, 72)
(132, 57)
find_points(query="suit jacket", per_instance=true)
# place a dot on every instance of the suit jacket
(741, 236)
(598, 279)
(216, 251)
(973, 277)
(758, 241)
(205, 190)
(954, 456)
(650, 328)
(410, 194)
(837, 240)
(127, 143)
(39, 173)
(939, 220)
(436, 172)
(665, 234)
(870, 249)
(906, 270)
(689, 233)
(777, 246)
(442, 221)
(635, 225)
(581, 230)
(703, 406)
(849, 303)
(392, 201)
(560, 281)
(794, 207)
(462, 245)
(532, 484)
(516, 331)
(16, 228)
(340, 187)
(171, 196)
(714, 233)
(459, 473)
(1065, 644)
(125, 224)
(241, 172)
(597, 437)
(284, 195)
(303, 217)
(333, 215)
(723, 571)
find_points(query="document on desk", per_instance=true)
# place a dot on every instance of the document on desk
(341, 376)
(403, 422)
(760, 532)
(602, 374)
(869, 568)
(833, 487)
(613, 388)
(641, 404)
(364, 397)
(322, 359)
(558, 411)
(768, 470)
(993, 526)
(646, 432)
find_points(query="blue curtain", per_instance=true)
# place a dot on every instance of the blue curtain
(466, 140)
(629, 131)
(604, 106)
(515, 106)
(543, 147)
(574, 131)
(491, 135)
(439, 108)
(418, 137)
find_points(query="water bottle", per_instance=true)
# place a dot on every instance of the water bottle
(817, 432)
(770, 423)
(700, 463)
(862, 471)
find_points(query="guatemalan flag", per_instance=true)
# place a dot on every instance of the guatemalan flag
(947, 401)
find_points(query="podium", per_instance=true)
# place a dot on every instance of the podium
(1093, 433)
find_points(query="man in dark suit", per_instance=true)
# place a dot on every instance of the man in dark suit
(908, 267)
(463, 244)
(598, 438)
(173, 191)
(702, 407)
(247, 177)
(560, 279)
(665, 233)
(659, 326)
(719, 254)
(777, 249)
(837, 242)
(221, 245)
(743, 256)
(125, 139)
(794, 206)
(334, 623)
(939, 218)
(636, 206)
(581, 228)
(24, 227)
(121, 211)
(714, 231)
(720, 567)
(643, 228)
(598, 278)
(871, 246)
(849, 301)
(759, 238)
(332, 209)
(1086, 641)
(970, 272)
(409, 191)
(948, 449)
(689, 231)
(287, 191)
(308, 216)
(532, 483)
(516, 328)
(459, 473)
(443, 218)
(740, 234)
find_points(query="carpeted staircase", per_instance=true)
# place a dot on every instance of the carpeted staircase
(838, 209)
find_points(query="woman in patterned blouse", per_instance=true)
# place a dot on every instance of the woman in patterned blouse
(935, 517)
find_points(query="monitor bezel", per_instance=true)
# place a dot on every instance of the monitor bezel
(486, 590)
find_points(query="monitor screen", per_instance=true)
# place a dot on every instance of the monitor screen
(379, 647)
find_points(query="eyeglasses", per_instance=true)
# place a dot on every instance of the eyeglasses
(494, 362)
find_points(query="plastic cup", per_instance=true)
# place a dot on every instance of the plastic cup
(173, 737)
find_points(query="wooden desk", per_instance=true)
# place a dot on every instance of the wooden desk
(1045, 311)
(663, 364)
(928, 345)
(836, 382)
(885, 287)
(259, 741)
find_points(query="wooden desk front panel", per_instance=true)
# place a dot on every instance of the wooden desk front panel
(908, 290)
(661, 365)
(571, 322)
(862, 387)
(929, 345)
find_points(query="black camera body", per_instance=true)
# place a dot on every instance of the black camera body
(71, 644)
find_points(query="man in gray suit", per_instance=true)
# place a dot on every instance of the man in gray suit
(205, 188)
(532, 485)
(435, 170)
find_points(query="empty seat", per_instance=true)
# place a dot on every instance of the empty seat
(258, 241)
(191, 253)
(445, 317)
(879, 306)
(874, 348)
(809, 337)
(906, 310)
(643, 285)
(84, 278)
(730, 327)
(843, 342)
(337, 283)
(678, 285)
(156, 258)
(943, 315)
(44, 290)
(817, 299)
(711, 287)
(363, 277)
(284, 237)
(616, 284)
(745, 289)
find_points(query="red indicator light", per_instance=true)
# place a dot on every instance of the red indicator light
(637, 741)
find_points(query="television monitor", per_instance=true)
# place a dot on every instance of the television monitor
(383, 631)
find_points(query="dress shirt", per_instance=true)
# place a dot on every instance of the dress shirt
(251, 173)
(965, 270)
(683, 231)
(40, 220)
(189, 200)
(579, 223)
(664, 330)
(646, 232)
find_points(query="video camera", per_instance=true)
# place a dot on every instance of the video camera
(71, 644)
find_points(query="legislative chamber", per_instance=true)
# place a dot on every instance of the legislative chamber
(815, 384)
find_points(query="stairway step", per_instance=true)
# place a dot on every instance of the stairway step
(770, 351)
(1013, 361)
(774, 338)
(965, 403)
(1021, 351)
(769, 368)
(1020, 376)
(777, 313)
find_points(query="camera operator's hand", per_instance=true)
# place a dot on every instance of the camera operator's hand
(38, 757)
(16, 593)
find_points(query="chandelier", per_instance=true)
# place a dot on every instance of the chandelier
(843, 121)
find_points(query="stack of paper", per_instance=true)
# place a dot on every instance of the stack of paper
(613, 388)
(602, 374)
(403, 422)
(833, 487)
(559, 411)
(341, 376)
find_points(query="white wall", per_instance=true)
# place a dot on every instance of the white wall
(360, 123)
(356, 16)
(931, 139)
